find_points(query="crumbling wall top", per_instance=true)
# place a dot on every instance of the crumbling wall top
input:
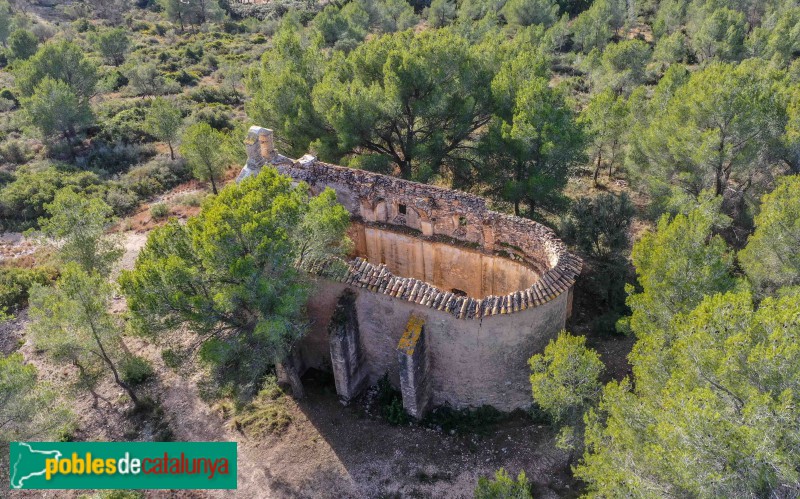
(431, 211)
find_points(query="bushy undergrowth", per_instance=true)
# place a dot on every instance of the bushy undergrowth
(136, 370)
(15, 284)
(390, 402)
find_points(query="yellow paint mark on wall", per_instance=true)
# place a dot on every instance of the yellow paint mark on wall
(411, 335)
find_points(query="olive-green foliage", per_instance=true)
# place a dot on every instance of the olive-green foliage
(441, 12)
(771, 258)
(207, 152)
(159, 210)
(281, 89)
(348, 23)
(670, 17)
(56, 84)
(622, 66)
(407, 81)
(528, 12)
(144, 78)
(234, 274)
(715, 375)
(778, 39)
(71, 321)
(606, 121)
(565, 379)
(113, 44)
(56, 110)
(266, 414)
(22, 202)
(594, 27)
(22, 44)
(15, 284)
(388, 16)
(191, 12)
(418, 104)
(792, 137)
(533, 139)
(61, 61)
(476, 10)
(156, 176)
(713, 132)
(211, 95)
(671, 49)
(677, 265)
(136, 370)
(29, 409)
(77, 224)
(722, 406)
(718, 33)
(164, 121)
(390, 402)
(6, 20)
(503, 486)
(599, 228)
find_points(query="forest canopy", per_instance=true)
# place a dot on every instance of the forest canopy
(659, 138)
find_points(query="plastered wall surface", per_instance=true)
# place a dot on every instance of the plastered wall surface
(473, 362)
(446, 266)
(490, 289)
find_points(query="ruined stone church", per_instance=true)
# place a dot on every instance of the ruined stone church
(449, 298)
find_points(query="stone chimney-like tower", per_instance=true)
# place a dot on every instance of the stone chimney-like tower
(260, 146)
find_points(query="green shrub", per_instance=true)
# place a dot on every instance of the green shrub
(232, 27)
(22, 201)
(211, 95)
(193, 199)
(112, 81)
(115, 157)
(16, 152)
(390, 402)
(193, 54)
(217, 117)
(120, 200)
(395, 413)
(171, 358)
(15, 284)
(9, 95)
(503, 487)
(121, 122)
(185, 78)
(81, 25)
(155, 177)
(159, 210)
(136, 370)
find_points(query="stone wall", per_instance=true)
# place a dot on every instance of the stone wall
(476, 346)
(472, 362)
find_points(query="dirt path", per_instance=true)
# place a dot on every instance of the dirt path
(328, 451)
(337, 452)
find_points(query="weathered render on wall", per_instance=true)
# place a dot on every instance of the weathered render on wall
(491, 289)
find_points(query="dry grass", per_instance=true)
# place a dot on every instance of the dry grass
(266, 414)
